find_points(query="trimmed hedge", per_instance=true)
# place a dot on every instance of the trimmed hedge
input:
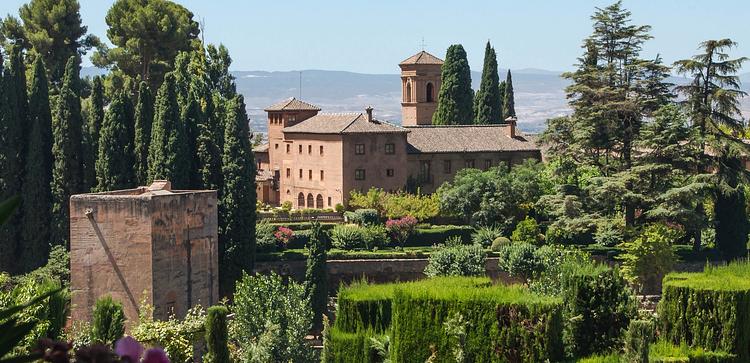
(709, 309)
(343, 347)
(437, 235)
(363, 306)
(501, 323)
(664, 352)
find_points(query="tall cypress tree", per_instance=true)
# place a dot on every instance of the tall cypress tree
(501, 99)
(114, 165)
(316, 275)
(237, 204)
(67, 172)
(509, 102)
(167, 158)
(488, 107)
(208, 150)
(144, 116)
(91, 133)
(192, 116)
(37, 195)
(456, 98)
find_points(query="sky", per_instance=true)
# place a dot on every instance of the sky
(374, 36)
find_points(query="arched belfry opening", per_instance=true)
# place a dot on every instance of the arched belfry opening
(430, 95)
(407, 93)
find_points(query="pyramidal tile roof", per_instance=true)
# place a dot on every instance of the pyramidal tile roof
(342, 123)
(292, 104)
(422, 58)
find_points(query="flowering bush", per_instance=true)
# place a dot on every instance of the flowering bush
(283, 236)
(400, 229)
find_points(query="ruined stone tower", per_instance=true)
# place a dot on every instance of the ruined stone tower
(149, 242)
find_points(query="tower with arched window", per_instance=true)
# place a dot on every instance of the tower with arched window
(420, 83)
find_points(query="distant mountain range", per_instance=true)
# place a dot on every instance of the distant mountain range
(539, 93)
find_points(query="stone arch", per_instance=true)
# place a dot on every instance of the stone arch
(310, 201)
(319, 202)
(430, 91)
(407, 95)
(301, 200)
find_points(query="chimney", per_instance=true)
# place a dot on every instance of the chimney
(510, 130)
(369, 113)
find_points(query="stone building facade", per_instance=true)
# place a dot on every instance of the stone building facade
(149, 243)
(314, 160)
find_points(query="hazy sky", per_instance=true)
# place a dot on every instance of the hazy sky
(373, 36)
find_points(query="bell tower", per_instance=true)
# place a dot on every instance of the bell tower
(420, 84)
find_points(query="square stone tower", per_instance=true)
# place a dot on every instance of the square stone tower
(420, 85)
(149, 243)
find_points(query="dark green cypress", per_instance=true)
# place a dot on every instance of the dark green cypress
(67, 173)
(37, 195)
(730, 215)
(107, 321)
(501, 93)
(237, 205)
(192, 116)
(166, 154)
(509, 103)
(144, 116)
(217, 337)
(114, 165)
(489, 107)
(316, 275)
(91, 134)
(208, 149)
(456, 98)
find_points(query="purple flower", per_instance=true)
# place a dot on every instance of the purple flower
(155, 355)
(129, 349)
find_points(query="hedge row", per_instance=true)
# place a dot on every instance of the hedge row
(343, 347)
(663, 352)
(438, 234)
(709, 309)
(496, 323)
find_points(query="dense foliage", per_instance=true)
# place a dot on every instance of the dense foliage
(457, 260)
(217, 339)
(316, 275)
(107, 321)
(456, 98)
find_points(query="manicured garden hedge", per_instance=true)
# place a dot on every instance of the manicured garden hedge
(501, 323)
(343, 347)
(363, 306)
(663, 352)
(438, 234)
(709, 309)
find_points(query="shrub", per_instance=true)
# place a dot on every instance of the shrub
(649, 256)
(286, 206)
(421, 207)
(498, 243)
(638, 337)
(484, 235)
(710, 309)
(367, 217)
(265, 239)
(265, 306)
(570, 232)
(217, 339)
(438, 234)
(462, 260)
(339, 208)
(609, 232)
(663, 352)
(346, 237)
(373, 236)
(364, 307)
(401, 229)
(503, 324)
(344, 347)
(519, 260)
(554, 262)
(107, 321)
(283, 235)
(176, 336)
(527, 231)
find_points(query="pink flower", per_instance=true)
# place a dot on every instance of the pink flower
(155, 355)
(129, 349)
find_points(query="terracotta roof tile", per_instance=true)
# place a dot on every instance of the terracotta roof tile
(468, 138)
(292, 104)
(261, 148)
(342, 123)
(422, 58)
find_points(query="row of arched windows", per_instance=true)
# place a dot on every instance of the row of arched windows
(312, 202)
(429, 92)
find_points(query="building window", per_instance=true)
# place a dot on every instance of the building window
(359, 149)
(430, 94)
(300, 149)
(329, 201)
(390, 148)
(288, 173)
(321, 175)
(359, 174)
(319, 202)
(309, 174)
(447, 166)
(287, 148)
(301, 200)
(487, 164)
(276, 146)
(321, 149)
(408, 92)
(300, 173)
(291, 118)
(309, 149)
(310, 201)
(388, 172)
(425, 174)
(469, 163)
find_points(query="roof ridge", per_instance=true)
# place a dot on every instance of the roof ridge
(351, 122)
(450, 126)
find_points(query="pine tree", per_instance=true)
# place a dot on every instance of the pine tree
(37, 195)
(489, 109)
(67, 173)
(316, 275)
(237, 205)
(166, 154)
(144, 116)
(91, 133)
(456, 98)
(114, 165)
(217, 339)
(509, 103)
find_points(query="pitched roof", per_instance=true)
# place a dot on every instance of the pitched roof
(422, 58)
(464, 138)
(292, 104)
(261, 148)
(342, 123)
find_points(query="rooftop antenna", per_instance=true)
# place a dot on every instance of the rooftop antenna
(300, 85)
(423, 44)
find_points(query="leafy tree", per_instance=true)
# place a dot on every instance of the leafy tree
(457, 260)
(456, 98)
(218, 70)
(37, 195)
(144, 117)
(166, 153)
(527, 231)
(107, 321)
(54, 31)
(217, 339)
(237, 205)
(147, 35)
(91, 133)
(509, 102)
(67, 173)
(316, 275)
(649, 257)
(114, 166)
(489, 109)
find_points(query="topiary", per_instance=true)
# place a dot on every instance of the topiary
(498, 243)
(217, 348)
(107, 321)
(638, 337)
